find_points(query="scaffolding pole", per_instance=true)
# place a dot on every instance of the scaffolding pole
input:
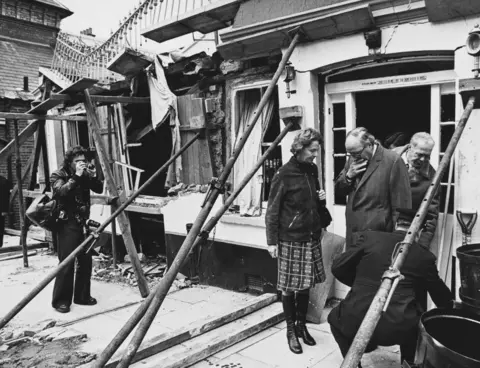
(392, 275)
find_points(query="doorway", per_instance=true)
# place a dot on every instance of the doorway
(394, 114)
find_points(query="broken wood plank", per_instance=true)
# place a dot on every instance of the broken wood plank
(207, 344)
(18, 255)
(122, 218)
(129, 62)
(76, 87)
(25, 116)
(107, 99)
(18, 248)
(169, 339)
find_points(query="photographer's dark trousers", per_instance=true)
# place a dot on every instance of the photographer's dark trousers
(69, 237)
(2, 229)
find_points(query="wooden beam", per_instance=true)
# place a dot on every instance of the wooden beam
(166, 340)
(26, 170)
(24, 135)
(108, 99)
(122, 218)
(21, 203)
(25, 116)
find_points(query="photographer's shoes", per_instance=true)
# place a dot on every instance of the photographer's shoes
(89, 301)
(63, 308)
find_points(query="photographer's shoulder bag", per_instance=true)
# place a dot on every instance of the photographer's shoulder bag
(43, 212)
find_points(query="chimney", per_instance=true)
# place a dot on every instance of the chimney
(87, 32)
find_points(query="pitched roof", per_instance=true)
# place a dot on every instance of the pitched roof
(20, 59)
(54, 3)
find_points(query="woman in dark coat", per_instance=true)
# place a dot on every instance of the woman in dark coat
(294, 232)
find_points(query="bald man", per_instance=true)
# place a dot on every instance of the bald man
(376, 182)
(416, 156)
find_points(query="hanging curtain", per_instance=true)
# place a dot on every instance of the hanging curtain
(164, 104)
(250, 199)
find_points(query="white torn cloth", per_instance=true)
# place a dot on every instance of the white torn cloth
(163, 103)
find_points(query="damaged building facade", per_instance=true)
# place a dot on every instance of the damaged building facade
(391, 66)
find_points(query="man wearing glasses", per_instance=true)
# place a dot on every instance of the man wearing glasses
(376, 182)
(416, 156)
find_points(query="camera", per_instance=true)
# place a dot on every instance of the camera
(92, 223)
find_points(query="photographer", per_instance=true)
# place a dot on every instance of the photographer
(71, 185)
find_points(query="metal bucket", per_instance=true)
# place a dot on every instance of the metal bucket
(448, 339)
(469, 262)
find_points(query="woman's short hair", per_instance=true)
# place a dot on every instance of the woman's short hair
(304, 138)
(71, 153)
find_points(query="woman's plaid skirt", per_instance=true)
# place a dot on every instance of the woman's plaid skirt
(300, 265)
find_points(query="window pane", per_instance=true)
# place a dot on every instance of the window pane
(446, 132)
(339, 115)
(443, 196)
(339, 141)
(270, 167)
(339, 164)
(448, 108)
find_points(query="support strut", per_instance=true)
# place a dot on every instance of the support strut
(388, 284)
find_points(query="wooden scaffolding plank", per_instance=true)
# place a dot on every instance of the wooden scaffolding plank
(122, 218)
(169, 339)
(203, 346)
(76, 87)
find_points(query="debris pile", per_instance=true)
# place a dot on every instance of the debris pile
(185, 188)
(43, 345)
(103, 270)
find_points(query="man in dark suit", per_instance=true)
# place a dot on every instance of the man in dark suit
(5, 188)
(416, 156)
(361, 267)
(376, 182)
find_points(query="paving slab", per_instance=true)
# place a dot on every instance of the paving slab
(274, 350)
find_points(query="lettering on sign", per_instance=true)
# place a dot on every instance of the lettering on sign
(395, 80)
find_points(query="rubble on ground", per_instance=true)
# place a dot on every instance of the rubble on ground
(153, 269)
(43, 345)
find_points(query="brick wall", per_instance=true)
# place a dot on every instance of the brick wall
(7, 132)
(31, 12)
(19, 29)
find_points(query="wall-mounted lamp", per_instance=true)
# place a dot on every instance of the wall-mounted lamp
(289, 76)
(473, 48)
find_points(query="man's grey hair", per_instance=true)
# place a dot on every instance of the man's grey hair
(421, 136)
(363, 134)
(304, 138)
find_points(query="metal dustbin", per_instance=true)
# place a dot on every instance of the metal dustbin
(469, 262)
(448, 339)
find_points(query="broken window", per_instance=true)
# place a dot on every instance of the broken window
(255, 194)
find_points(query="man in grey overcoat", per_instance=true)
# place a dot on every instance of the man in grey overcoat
(376, 182)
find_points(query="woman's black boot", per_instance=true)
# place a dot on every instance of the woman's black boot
(288, 302)
(302, 307)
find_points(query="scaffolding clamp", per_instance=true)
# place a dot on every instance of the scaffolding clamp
(394, 275)
(214, 184)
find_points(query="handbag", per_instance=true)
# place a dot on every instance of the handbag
(43, 212)
(325, 217)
